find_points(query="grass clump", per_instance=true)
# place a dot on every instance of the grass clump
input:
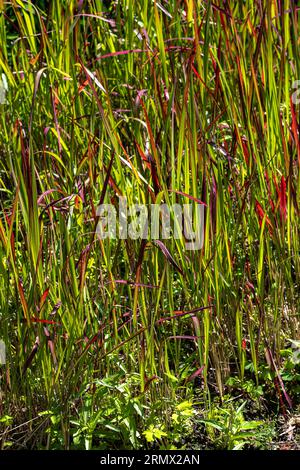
(156, 101)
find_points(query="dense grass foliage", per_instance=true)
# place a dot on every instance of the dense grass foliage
(127, 343)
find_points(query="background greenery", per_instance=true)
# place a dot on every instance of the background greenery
(127, 344)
